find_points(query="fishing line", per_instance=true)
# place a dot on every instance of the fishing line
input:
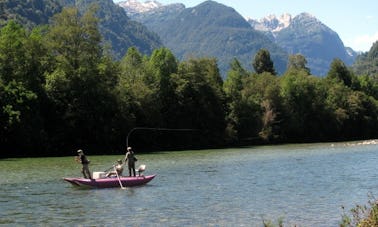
(156, 129)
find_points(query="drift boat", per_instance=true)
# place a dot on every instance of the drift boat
(109, 182)
(101, 181)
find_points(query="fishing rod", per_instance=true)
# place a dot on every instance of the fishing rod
(156, 129)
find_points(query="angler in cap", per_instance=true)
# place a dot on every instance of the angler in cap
(130, 158)
(81, 158)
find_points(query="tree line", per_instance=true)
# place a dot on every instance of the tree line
(60, 90)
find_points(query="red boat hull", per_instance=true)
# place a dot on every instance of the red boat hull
(110, 182)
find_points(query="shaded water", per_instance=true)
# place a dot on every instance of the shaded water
(304, 185)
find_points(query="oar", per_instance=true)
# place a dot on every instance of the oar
(119, 180)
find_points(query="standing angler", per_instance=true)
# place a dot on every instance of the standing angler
(130, 158)
(85, 162)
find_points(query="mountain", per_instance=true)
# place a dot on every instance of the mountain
(114, 24)
(210, 29)
(122, 32)
(271, 23)
(28, 13)
(306, 35)
(154, 17)
(183, 30)
(135, 7)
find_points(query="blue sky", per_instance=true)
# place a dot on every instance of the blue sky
(356, 21)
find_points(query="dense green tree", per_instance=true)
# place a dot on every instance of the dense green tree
(198, 86)
(75, 40)
(271, 107)
(22, 67)
(137, 90)
(132, 59)
(80, 85)
(353, 113)
(162, 65)
(304, 113)
(262, 107)
(367, 63)
(298, 62)
(16, 103)
(23, 56)
(369, 85)
(263, 63)
(340, 72)
(233, 86)
(12, 41)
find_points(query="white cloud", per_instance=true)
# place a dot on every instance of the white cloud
(369, 17)
(364, 42)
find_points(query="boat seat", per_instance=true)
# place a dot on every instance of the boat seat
(141, 169)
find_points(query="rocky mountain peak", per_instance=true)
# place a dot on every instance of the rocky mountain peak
(271, 23)
(134, 6)
(305, 15)
(308, 21)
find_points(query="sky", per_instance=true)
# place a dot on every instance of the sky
(355, 21)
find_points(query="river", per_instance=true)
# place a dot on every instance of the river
(302, 184)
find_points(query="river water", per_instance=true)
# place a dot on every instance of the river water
(304, 185)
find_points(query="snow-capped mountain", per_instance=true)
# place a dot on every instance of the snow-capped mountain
(134, 6)
(271, 23)
(303, 33)
(307, 35)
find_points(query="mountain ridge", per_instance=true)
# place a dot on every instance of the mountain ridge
(115, 26)
(199, 32)
(301, 34)
(134, 6)
(310, 37)
(271, 23)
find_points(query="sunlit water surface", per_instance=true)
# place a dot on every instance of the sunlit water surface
(304, 185)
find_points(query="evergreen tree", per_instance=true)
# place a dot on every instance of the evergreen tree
(162, 65)
(233, 87)
(137, 91)
(261, 107)
(198, 86)
(298, 62)
(79, 86)
(304, 114)
(263, 63)
(340, 72)
(22, 95)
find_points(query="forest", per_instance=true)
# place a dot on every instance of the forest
(61, 90)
